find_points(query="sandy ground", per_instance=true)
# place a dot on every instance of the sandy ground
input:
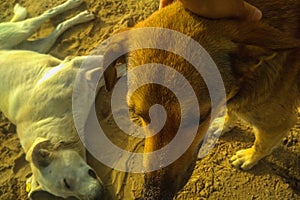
(275, 177)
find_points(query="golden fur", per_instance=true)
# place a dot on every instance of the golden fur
(259, 63)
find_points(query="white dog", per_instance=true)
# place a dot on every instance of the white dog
(36, 95)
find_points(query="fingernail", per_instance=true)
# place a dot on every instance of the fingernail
(257, 14)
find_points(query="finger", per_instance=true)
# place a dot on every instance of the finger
(251, 12)
(164, 3)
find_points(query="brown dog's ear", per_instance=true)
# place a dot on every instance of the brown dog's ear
(40, 154)
(110, 77)
(117, 46)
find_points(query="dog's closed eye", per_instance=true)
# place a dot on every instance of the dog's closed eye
(92, 174)
(67, 184)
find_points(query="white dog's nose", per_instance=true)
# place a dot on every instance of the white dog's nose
(97, 193)
(98, 197)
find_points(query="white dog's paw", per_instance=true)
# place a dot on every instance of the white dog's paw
(20, 11)
(82, 17)
(85, 16)
(219, 126)
(228, 127)
(74, 3)
(216, 126)
(245, 159)
(70, 4)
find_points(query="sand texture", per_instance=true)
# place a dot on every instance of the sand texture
(275, 177)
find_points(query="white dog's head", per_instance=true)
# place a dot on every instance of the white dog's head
(63, 172)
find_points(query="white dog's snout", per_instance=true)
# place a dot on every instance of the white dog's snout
(95, 193)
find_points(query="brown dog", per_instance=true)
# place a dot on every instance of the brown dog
(260, 66)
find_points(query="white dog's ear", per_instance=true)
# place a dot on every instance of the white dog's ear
(39, 153)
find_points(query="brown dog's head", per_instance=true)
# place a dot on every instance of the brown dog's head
(234, 46)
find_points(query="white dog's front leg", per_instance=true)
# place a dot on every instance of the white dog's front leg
(68, 5)
(36, 22)
(13, 34)
(44, 45)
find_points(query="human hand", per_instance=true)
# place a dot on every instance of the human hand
(220, 8)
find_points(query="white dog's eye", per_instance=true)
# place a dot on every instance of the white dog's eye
(67, 184)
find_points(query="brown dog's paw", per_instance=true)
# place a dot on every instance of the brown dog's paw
(245, 159)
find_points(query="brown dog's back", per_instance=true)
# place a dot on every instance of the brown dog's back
(283, 15)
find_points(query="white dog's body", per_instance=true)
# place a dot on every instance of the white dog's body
(35, 87)
(36, 95)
